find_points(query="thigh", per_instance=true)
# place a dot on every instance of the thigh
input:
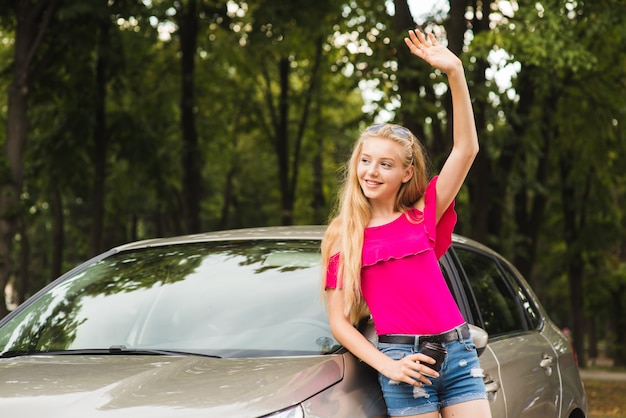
(462, 375)
(471, 409)
(426, 415)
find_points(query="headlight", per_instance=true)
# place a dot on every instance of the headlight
(293, 412)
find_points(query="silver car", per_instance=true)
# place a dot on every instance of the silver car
(231, 324)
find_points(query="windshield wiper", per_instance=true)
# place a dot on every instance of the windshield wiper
(122, 349)
(114, 349)
(15, 353)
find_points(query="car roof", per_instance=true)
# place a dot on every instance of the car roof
(293, 232)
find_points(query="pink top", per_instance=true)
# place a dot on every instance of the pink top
(401, 280)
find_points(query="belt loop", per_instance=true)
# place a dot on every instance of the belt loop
(459, 332)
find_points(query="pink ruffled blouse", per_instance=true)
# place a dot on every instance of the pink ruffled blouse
(401, 280)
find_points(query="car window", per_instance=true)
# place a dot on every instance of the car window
(227, 298)
(458, 293)
(529, 309)
(501, 302)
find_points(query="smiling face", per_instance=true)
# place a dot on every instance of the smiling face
(381, 170)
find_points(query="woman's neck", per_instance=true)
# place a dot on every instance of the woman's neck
(382, 214)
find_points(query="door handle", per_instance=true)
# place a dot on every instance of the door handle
(491, 387)
(546, 363)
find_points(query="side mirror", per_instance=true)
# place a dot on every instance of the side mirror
(479, 338)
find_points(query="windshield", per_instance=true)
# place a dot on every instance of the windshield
(229, 299)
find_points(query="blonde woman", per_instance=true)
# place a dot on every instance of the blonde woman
(381, 253)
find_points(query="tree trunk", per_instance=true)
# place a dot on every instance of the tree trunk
(227, 196)
(318, 204)
(529, 214)
(304, 121)
(58, 237)
(481, 176)
(592, 332)
(32, 22)
(618, 339)
(282, 143)
(409, 83)
(456, 26)
(11, 181)
(188, 23)
(100, 145)
(576, 301)
(573, 223)
(24, 257)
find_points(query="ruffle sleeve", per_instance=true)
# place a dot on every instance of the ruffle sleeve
(440, 234)
(331, 272)
(398, 239)
(412, 233)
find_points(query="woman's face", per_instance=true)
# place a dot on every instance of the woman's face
(381, 170)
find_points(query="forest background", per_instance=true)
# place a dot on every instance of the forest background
(124, 119)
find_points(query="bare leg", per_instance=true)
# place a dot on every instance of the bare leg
(434, 414)
(471, 409)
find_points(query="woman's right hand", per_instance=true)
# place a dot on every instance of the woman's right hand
(430, 50)
(412, 369)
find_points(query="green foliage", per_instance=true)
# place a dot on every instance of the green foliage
(566, 120)
(282, 89)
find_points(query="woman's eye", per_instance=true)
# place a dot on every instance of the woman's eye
(386, 164)
(365, 160)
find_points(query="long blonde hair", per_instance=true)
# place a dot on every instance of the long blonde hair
(353, 213)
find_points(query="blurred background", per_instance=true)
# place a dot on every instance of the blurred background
(125, 119)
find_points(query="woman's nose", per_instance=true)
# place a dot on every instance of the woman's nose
(372, 170)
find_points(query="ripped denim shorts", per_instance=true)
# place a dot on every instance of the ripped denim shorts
(460, 380)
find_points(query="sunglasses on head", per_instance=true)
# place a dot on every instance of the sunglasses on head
(397, 130)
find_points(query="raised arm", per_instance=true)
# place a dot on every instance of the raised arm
(465, 147)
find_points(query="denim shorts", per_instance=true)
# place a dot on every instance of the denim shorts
(460, 380)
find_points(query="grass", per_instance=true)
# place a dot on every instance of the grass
(606, 399)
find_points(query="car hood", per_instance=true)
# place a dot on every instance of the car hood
(172, 386)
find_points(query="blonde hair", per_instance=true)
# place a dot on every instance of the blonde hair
(353, 212)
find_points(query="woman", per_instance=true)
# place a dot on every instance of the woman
(381, 252)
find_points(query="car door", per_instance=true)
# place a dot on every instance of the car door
(530, 385)
(462, 293)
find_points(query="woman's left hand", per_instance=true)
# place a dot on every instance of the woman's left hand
(431, 51)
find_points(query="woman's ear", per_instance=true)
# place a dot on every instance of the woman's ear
(409, 174)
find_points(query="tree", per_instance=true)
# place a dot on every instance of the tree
(32, 19)
(562, 95)
(287, 42)
(154, 119)
(188, 17)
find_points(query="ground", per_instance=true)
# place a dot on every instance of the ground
(606, 398)
(605, 387)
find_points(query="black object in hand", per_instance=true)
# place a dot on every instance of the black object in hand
(436, 351)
